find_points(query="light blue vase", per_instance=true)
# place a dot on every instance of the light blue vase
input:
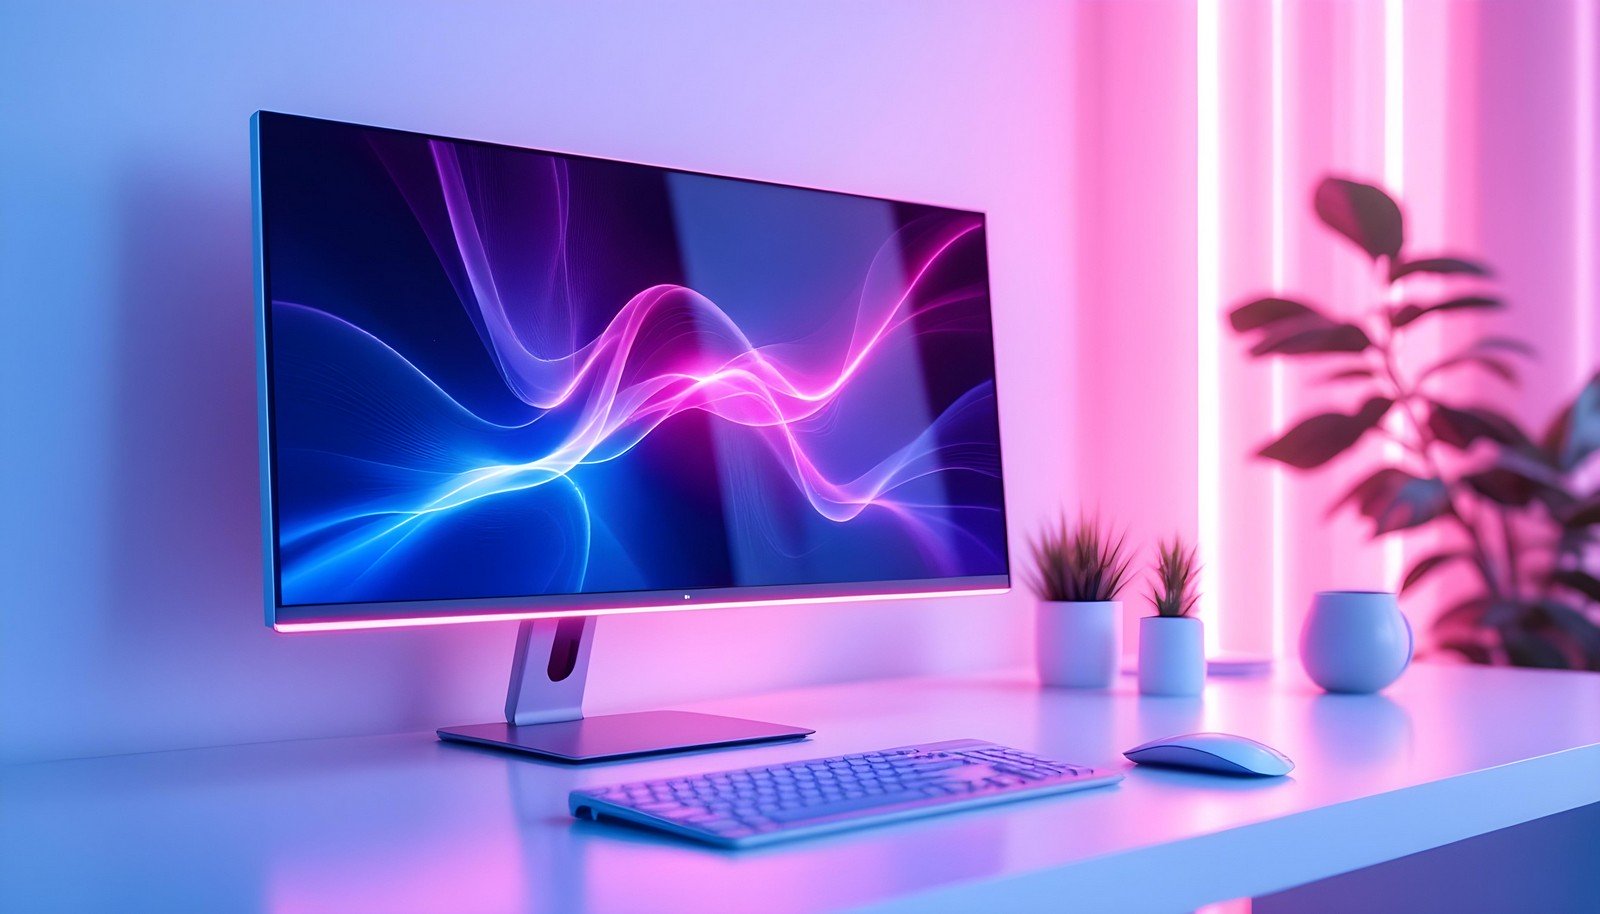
(1355, 640)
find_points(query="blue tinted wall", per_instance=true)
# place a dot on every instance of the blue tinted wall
(130, 582)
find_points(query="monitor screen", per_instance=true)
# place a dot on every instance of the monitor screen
(503, 381)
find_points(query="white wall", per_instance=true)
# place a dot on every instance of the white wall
(130, 614)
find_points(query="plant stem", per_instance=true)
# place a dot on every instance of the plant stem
(1405, 398)
(1509, 535)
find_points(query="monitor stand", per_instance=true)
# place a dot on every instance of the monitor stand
(544, 708)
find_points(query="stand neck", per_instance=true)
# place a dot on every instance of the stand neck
(549, 669)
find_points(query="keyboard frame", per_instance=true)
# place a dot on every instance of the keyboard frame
(586, 804)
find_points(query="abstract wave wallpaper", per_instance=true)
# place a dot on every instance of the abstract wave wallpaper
(500, 373)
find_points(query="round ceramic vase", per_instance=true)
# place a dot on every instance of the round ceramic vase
(1079, 645)
(1172, 655)
(1355, 640)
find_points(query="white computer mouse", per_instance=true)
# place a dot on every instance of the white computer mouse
(1221, 753)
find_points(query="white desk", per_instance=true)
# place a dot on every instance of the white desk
(405, 823)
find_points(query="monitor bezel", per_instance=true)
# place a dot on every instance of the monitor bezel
(395, 614)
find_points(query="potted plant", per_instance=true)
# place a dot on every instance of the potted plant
(1078, 570)
(1172, 653)
(1519, 511)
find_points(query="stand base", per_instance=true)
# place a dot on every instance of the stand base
(612, 736)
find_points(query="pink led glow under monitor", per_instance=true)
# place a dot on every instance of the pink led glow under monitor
(499, 383)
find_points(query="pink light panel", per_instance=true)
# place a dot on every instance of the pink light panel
(1481, 117)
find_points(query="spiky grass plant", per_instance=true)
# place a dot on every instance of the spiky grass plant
(1083, 562)
(1173, 592)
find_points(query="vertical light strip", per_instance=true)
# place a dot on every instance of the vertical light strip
(1208, 293)
(1583, 187)
(1394, 95)
(1279, 526)
(1394, 174)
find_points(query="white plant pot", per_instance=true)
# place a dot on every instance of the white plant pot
(1079, 644)
(1172, 655)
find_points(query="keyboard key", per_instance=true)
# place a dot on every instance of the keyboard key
(844, 806)
(928, 768)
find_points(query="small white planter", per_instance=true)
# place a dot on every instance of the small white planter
(1079, 644)
(1172, 655)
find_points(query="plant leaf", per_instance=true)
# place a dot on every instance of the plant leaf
(1459, 427)
(1468, 614)
(1532, 465)
(1409, 313)
(1575, 432)
(1362, 213)
(1426, 566)
(1297, 338)
(1516, 471)
(1577, 580)
(1497, 367)
(1266, 311)
(1290, 327)
(1579, 628)
(1415, 503)
(1347, 374)
(1397, 500)
(1440, 265)
(1471, 650)
(1505, 344)
(1531, 649)
(1555, 435)
(1585, 514)
(1501, 486)
(1323, 437)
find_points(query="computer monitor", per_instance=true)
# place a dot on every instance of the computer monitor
(502, 383)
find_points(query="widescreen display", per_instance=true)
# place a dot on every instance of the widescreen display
(497, 374)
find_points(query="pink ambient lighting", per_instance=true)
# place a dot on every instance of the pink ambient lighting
(1584, 186)
(1208, 393)
(1484, 119)
(352, 624)
(1278, 408)
(1394, 175)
